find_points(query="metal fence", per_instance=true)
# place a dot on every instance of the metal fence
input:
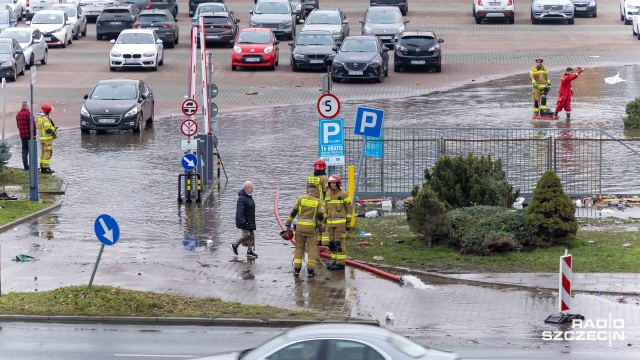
(582, 158)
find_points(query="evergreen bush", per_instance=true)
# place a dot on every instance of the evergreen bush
(632, 120)
(426, 217)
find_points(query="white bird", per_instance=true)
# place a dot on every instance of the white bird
(614, 79)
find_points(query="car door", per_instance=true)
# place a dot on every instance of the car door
(13, 20)
(18, 55)
(38, 45)
(348, 349)
(159, 47)
(303, 350)
(383, 54)
(82, 19)
(148, 101)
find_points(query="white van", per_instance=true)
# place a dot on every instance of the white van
(32, 6)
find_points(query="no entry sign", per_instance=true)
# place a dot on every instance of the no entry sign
(189, 127)
(189, 107)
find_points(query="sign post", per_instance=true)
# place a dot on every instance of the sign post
(368, 124)
(108, 232)
(33, 144)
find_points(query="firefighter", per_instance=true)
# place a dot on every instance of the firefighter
(319, 179)
(541, 85)
(565, 93)
(309, 210)
(338, 214)
(47, 134)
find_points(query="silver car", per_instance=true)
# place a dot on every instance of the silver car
(385, 22)
(333, 21)
(343, 341)
(545, 10)
(32, 42)
(76, 18)
(93, 8)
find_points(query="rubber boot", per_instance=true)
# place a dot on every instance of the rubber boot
(296, 272)
(311, 273)
(46, 171)
(337, 267)
(25, 160)
(568, 116)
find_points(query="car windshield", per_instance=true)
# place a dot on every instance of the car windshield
(4, 17)
(6, 48)
(211, 8)
(407, 346)
(160, 1)
(384, 17)
(272, 8)
(135, 38)
(331, 19)
(114, 92)
(152, 18)
(216, 20)
(254, 37)
(419, 41)
(359, 45)
(20, 36)
(117, 12)
(314, 39)
(71, 11)
(41, 18)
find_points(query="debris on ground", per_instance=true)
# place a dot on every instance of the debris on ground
(365, 234)
(626, 245)
(203, 265)
(363, 243)
(389, 316)
(614, 79)
(22, 258)
(251, 93)
(379, 258)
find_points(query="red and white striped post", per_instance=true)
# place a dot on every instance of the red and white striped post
(564, 299)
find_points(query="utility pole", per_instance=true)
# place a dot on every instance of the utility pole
(33, 145)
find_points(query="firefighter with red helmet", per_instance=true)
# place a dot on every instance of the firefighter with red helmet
(338, 219)
(541, 84)
(309, 210)
(47, 134)
(319, 180)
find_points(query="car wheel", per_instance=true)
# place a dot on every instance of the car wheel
(22, 71)
(621, 15)
(64, 44)
(571, 21)
(438, 68)
(170, 45)
(627, 22)
(31, 60)
(396, 68)
(478, 20)
(15, 74)
(595, 14)
(294, 68)
(639, 36)
(633, 30)
(386, 71)
(150, 119)
(85, 131)
(138, 127)
(161, 60)
(177, 38)
(84, 32)
(98, 37)
(277, 61)
(71, 39)
(111, 68)
(45, 58)
(512, 20)
(77, 35)
(380, 78)
(234, 68)
(272, 67)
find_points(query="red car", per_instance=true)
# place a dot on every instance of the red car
(255, 47)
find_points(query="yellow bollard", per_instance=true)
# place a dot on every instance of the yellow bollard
(352, 189)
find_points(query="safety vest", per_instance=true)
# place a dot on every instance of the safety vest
(321, 182)
(337, 207)
(539, 76)
(307, 208)
(44, 123)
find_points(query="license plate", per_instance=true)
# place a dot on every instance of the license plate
(252, 59)
(107, 121)
(553, 13)
(47, 39)
(153, 28)
(116, 23)
(131, 61)
(495, 15)
(581, 8)
(352, 72)
(316, 61)
(386, 37)
(37, 8)
(418, 62)
(212, 36)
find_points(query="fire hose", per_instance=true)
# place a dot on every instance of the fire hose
(348, 262)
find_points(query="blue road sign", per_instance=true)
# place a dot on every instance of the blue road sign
(106, 229)
(368, 122)
(189, 162)
(331, 141)
(374, 148)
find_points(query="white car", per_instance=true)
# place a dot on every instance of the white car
(76, 18)
(55, 27)
(33, 6)
(136, 48)
(636, 26)
(32, 42)
(494, 10)
(629, 9)
(93, 8)
(16, 6)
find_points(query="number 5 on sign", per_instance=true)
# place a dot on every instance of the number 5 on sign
(328, 106)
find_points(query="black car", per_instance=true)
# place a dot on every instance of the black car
(219, 28)
(585, 7)
(361, 57)
(312, 50)
(193, 5)
(418, 49)
(162, 21)
(117, 104)
(170, 5)
(115, 18)
(12, 61)
(402, 4)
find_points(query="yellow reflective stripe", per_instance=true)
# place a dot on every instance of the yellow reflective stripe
(343, 236)
(347, 200)
(334, 201)
(304, 223)
(334, 256)
(311, 263)
(297, 261)
(341, 257)
(333, 222)
(309, 203)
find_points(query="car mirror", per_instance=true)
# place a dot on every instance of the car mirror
(28, 23)
(251, 12)
(159, 41)
(361, 21)
(237, 21)
(385, 49)
(113, 41)
(338, 43)
(86, 96)
(440, 41)
(345, 22)
(231, 12)
(232, 42)
(276, 42)
(335, 48)
(291, 44)
(143, 97)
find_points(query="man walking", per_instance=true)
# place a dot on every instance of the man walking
(47, 134)
(541, 85)
(246, 220)
(566, 92)
(24, 121)
(309, 210)
(338, 212)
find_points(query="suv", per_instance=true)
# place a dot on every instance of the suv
(629, 9)
(115, 18)
(385, 22)
(333, 21)
(170, 5)
(418, 49)
(402, 4)
(220, 28)
(93, 8)
(276, 15)
(193, 4)
(494, 9)
(544, 10)
(162, 22)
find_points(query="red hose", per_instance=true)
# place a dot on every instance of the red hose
(327, 256)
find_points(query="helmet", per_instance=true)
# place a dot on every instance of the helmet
(539, 59)
(46, 109)
(334, 178)
(319, 165)
(286, 234)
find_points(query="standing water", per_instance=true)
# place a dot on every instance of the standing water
(416, 283)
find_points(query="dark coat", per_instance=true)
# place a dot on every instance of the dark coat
(245, 212)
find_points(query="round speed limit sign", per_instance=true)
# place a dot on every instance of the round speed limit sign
(328, 106)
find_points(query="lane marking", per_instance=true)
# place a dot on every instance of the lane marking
(160, 356)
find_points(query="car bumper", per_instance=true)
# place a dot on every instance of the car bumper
(288, 30)
(216, 38)
(110, 31)
(370, 72)
(495, 14)
(93, 123)
(7, 72)
(416, 61)
(55, 38)
(312, 63)
(244, 60)
(386, 39)
(545, 16)
(402, 4)
(144, 62)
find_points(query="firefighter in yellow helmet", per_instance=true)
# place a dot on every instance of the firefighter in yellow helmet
(338, 214)
(47, 134)
(309, 210)
(541, 84)
(319, 180)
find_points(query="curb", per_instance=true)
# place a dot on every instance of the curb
(177, 321)
(62, 191)
(30, 217)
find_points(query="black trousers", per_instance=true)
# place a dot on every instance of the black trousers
(25, 153)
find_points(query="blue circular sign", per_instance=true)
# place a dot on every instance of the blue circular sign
(107, 229)
(189, 162)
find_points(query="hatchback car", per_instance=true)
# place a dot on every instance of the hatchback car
(208, 7)
(140, 48)
(32, 42)
(361, 57)
(585, 7)
(418, 49)
(54, 25)
(219, 28)
(546, 10)
(193, 4)
(331, 342)
(403, 5)
(494, 10)
(312, 50)
(162, 21)
(117, 104)
(114, 19)
(93, 8)
(629, 9)
(8, 19)
(275, 15)
(255, 47)
(333, 21)
(170, 5)
(12, 61)
(15, 5)
(76, 18)
(385, 22)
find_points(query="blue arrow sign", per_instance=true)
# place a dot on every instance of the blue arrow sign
(189, 162)
(106, 229)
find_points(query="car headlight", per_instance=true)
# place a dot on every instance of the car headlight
(336, 32)
(115, 54)
(368, 31)
(268, 49)
(237, 49)
(149, 54)
(337, 63)
(376, 62)
(84, 112)
(569, 6)
(131, 112)
(298, 56)
(6, 64)
(287, 22)
(593, 3)
(435, 48)
(298, 8)
(401, 29)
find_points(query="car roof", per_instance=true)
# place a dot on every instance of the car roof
(212, 3)
(325, 11)
(141, 31)
(118, 81)
(119, 6)
(388, 8)
(215, 14)
(346, 330)
(287, 1)
(316, 32)
(361, 37)
(255, 30)
(18, 29)
(50, 12)
(419, 33)
(154, 11)
(65, 5)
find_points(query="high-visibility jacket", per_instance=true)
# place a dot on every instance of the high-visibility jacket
(321, 182)
(309, 210)
(47, 129)
(337, 204)
(540, 76)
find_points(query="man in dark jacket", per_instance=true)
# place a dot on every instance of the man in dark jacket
(246, 219)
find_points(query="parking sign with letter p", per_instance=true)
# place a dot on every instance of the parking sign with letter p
(331, 141)
(368, 122)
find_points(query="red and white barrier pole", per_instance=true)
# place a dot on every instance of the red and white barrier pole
(192, 66)
(205, 76)
(564, 298)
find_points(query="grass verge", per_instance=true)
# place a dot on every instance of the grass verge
(15, 209)
(18, 177)
(111, 301)
(594, 251)
(17, 185)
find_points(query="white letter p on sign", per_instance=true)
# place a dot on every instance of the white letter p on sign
(369, 120)
(330, 129)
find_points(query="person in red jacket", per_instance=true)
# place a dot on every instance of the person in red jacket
(566, 92)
